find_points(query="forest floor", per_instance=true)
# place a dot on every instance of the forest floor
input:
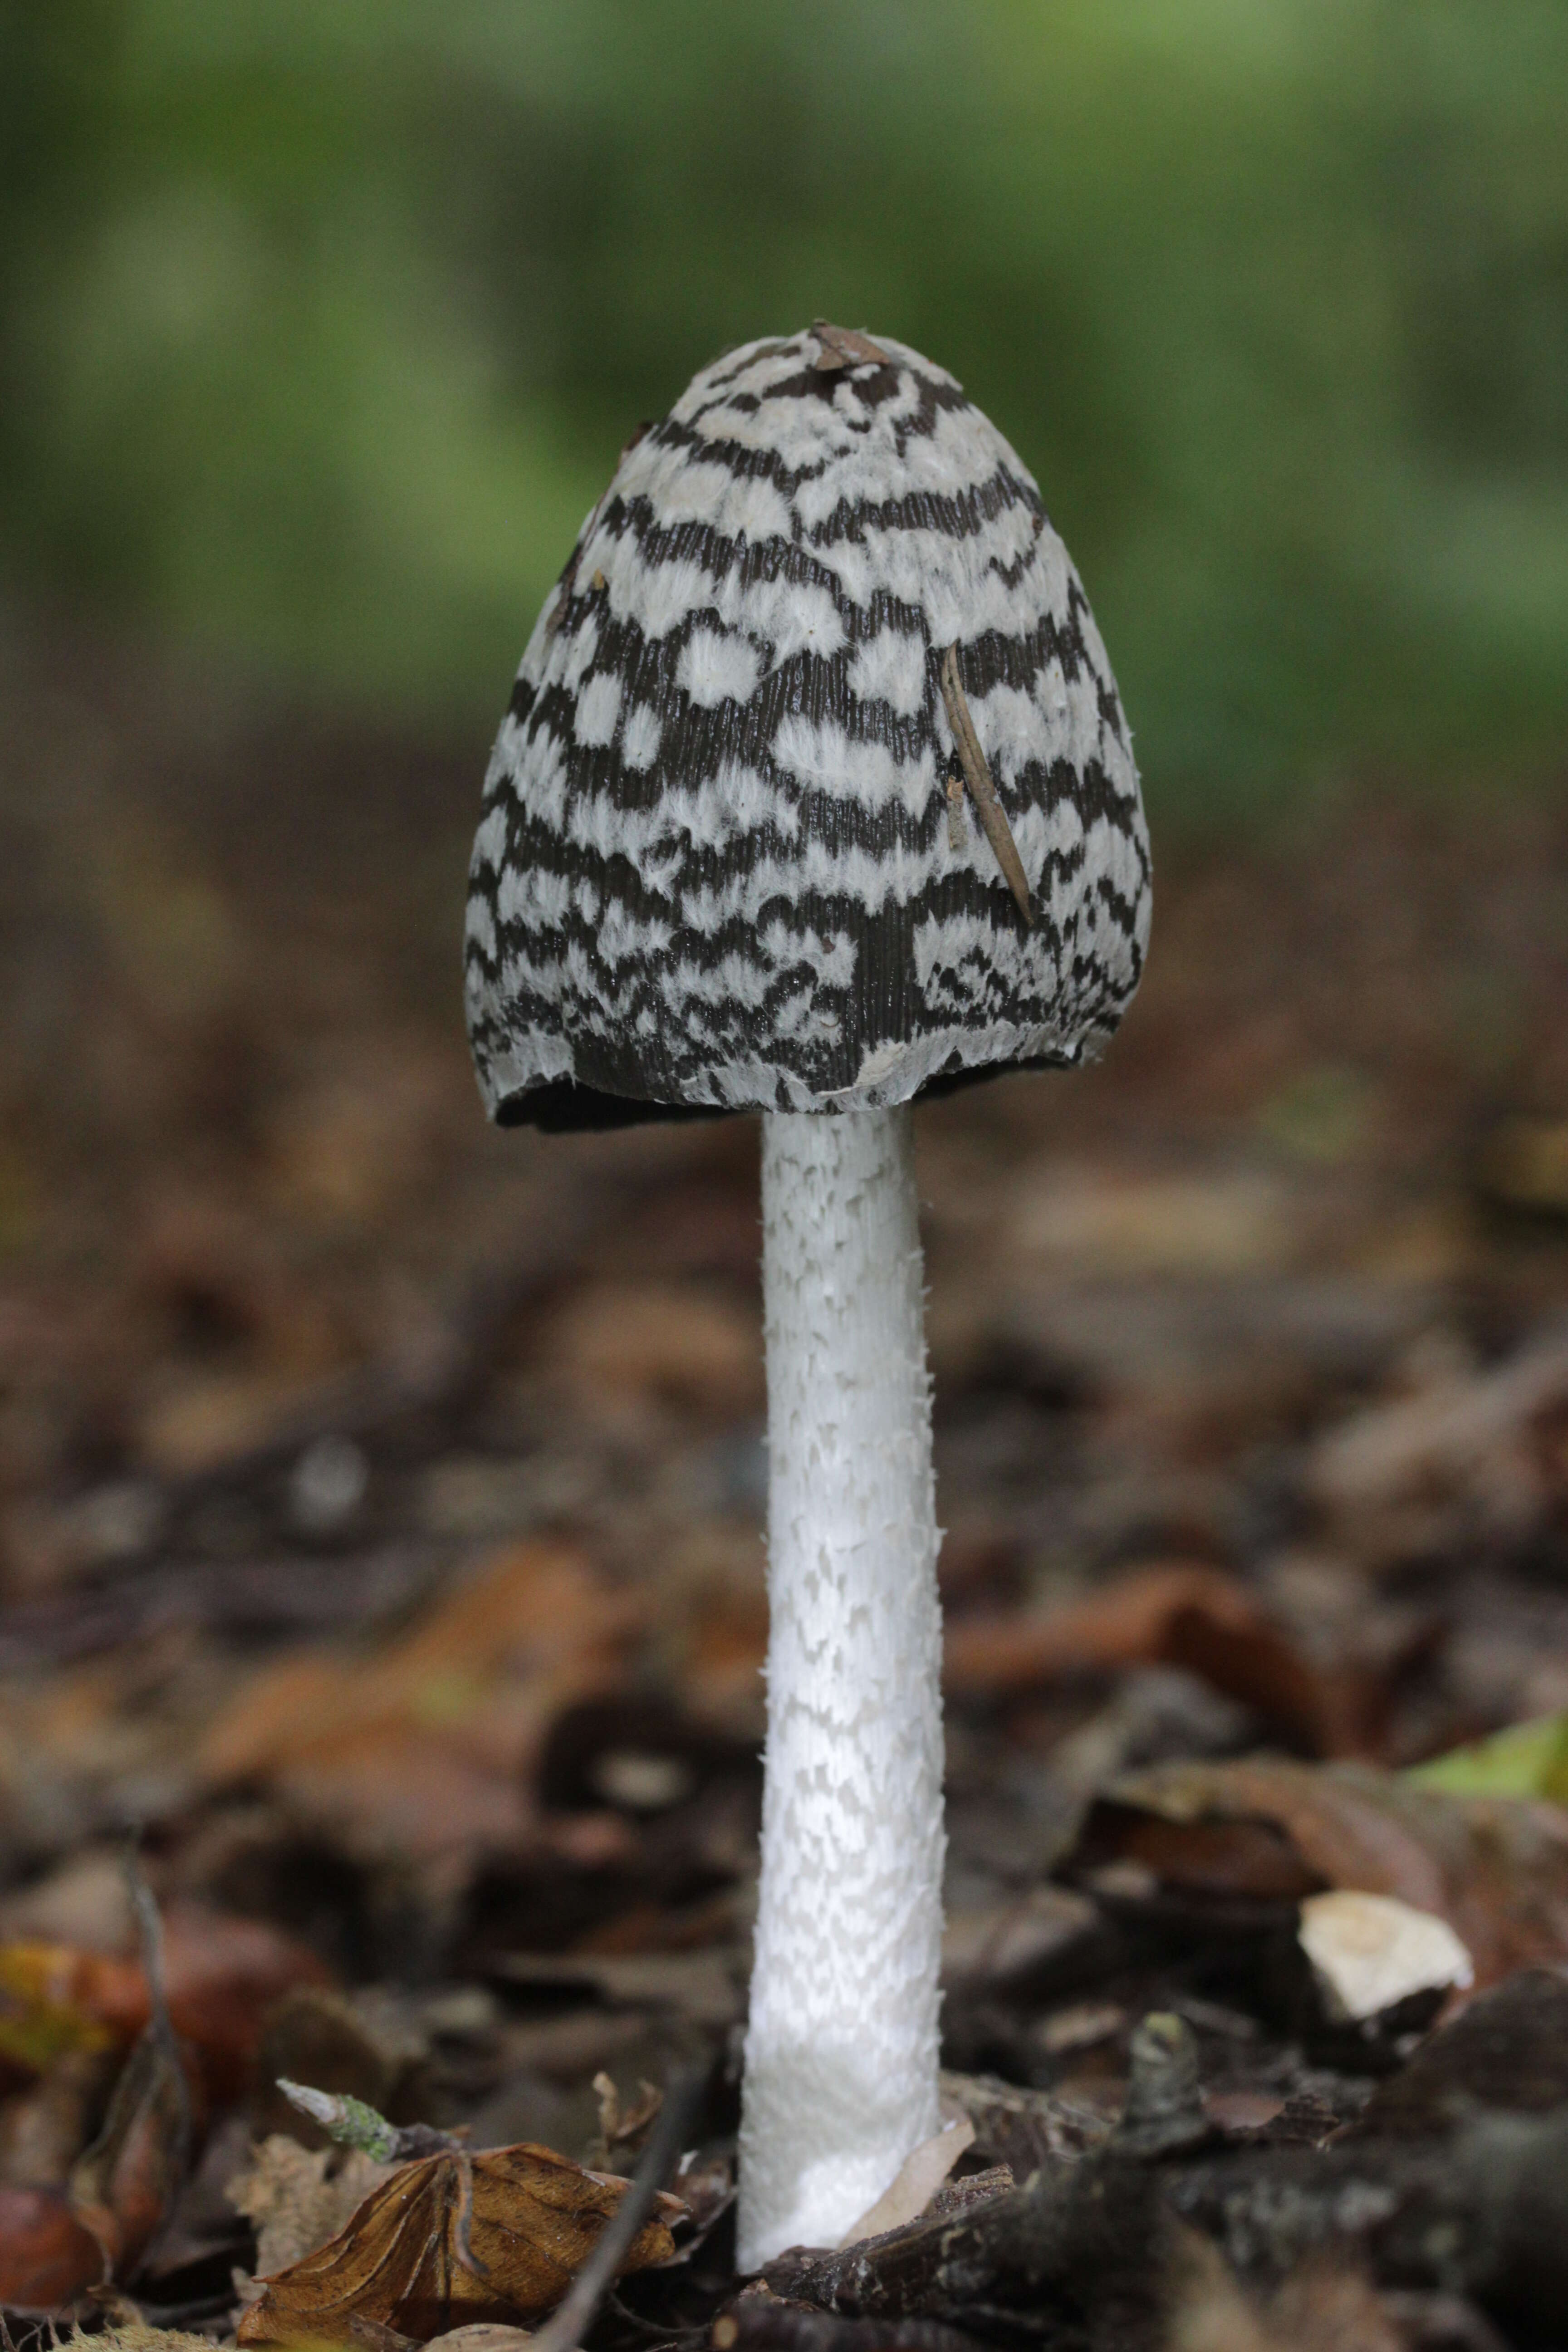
(380, 1526)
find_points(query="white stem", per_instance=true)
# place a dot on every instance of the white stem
(841, 2050)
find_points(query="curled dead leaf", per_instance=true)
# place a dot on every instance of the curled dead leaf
(430, 1745)
(298, 2197)
(1507, 2050)
(482, 2335)
(1482, 1444)
(1268, 1827)
(124, 2187)
(915, 2183)
(451, 2241)
(623, 2129)
(1176, 1613)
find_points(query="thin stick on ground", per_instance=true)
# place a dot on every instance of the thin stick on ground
(573, 2316)
(160, 2030)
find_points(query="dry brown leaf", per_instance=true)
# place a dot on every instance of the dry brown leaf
(299, 2197)
(1508, 2050)
(1178, 1614)
(81, 1903)
(1005, 1945)
(915, 2183)
(704, 1988)
(623, 2130)
(128, 2335)
(661, 1342)
(428, 1747)
(1125, 1623)
(1478, 1447)
(530, 2219)
(483, 2335)
(123, 2187)
(390, 1790)
(1322, 2306)
(1495, 1868)
(493, 1663)
(206, 1421)
(1023, 2129)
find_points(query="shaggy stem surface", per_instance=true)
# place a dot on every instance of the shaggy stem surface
(841, 2050)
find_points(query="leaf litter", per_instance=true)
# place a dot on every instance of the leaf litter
(380, 1514)
(449, 2241)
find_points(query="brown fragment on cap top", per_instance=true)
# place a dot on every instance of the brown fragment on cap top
(845, 347)
(982, 791)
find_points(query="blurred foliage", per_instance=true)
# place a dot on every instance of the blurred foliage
(1524, 1759)
(323, 321)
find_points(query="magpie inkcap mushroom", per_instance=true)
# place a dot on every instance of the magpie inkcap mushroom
(718, 868)
(814, 796)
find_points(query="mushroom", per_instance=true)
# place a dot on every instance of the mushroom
(815, 797)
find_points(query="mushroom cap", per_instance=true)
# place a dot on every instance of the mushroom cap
(727, 860)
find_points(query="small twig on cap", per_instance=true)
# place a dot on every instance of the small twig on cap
(844, 347)
(982, 791)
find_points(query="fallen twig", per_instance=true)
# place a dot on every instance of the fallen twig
(982, 791)
(572, 2317)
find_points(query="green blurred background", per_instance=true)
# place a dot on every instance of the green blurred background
(322, 322)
